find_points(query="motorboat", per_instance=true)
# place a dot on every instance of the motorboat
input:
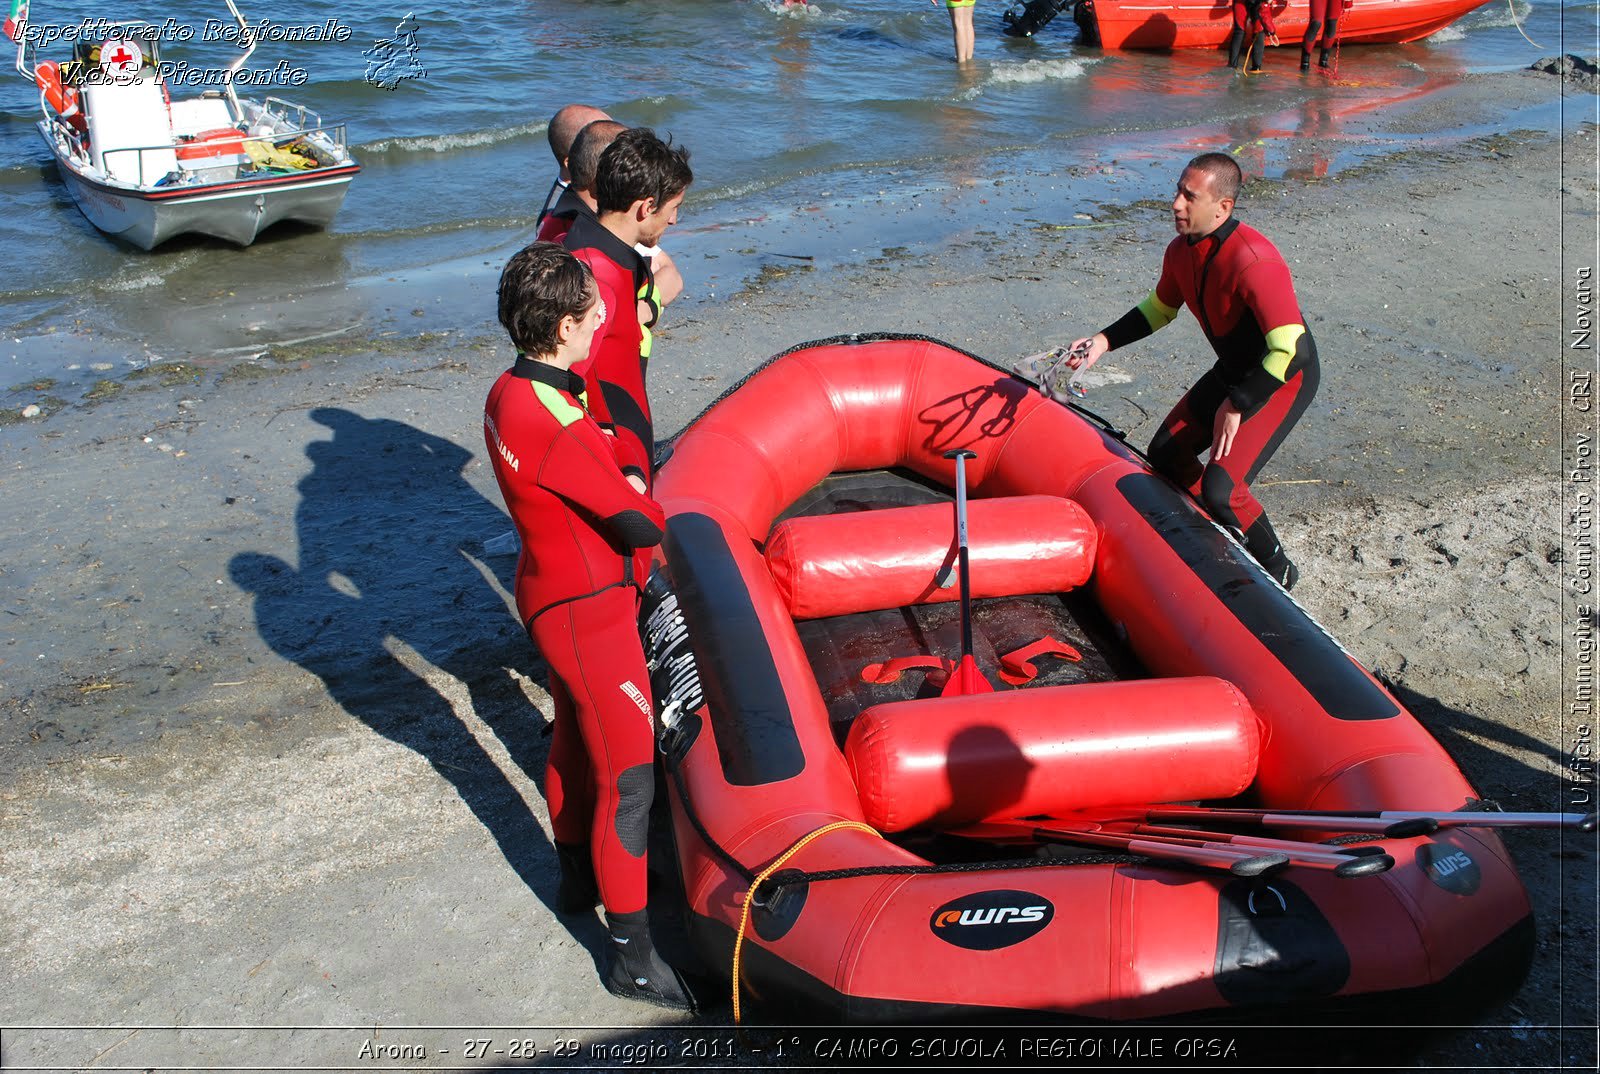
(145, 166)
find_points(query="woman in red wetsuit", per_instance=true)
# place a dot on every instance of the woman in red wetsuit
(586, 530)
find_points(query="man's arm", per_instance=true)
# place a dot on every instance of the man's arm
(1268, 291)
(1157, 310)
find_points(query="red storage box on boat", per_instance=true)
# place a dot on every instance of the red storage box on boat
(224, 145)
(946, 761)
(861, 561)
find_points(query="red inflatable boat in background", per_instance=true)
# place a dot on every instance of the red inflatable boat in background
(977, 855)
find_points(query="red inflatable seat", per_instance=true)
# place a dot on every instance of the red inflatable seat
(862, 561)
(946, 761)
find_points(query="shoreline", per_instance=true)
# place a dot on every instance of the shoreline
(267, 719)
(268, 314)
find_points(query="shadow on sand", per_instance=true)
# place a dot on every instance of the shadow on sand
(385, 522)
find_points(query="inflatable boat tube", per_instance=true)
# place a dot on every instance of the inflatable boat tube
(947, 761)
(825, 565)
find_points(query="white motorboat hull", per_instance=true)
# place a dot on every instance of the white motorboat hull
(235, 211)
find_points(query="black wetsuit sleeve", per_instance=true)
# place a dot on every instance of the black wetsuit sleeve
(633, 528)
(1129, 328)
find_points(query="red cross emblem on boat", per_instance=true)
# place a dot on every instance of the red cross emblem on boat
(120, 58)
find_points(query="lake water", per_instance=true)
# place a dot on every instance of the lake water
(853, 101)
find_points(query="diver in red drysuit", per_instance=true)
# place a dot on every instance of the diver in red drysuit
(1266, 373)
(585, 533)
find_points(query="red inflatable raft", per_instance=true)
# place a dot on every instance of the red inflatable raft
(934, 855)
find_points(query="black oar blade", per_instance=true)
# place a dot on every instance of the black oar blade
(1259, 865)
(1366, 865)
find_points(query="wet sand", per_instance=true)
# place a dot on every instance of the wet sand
(269, 725)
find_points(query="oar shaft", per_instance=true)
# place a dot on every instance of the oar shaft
(1238, 862)
(1439, 818)
(1315, 822)
(1312, 854)
(1581, 821)
(1288, 846)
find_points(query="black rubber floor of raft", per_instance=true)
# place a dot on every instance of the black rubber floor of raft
(841, 646)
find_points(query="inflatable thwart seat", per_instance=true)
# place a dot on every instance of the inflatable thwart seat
(1138, 656)
(945, 761)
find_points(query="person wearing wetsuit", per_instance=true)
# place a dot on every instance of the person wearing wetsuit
(1252, 19)
(562, 129)
(583, 161)
(639, 184)
(586, 532)
(1266, 373)
(1324, 17)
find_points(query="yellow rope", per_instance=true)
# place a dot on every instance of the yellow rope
(749, 896)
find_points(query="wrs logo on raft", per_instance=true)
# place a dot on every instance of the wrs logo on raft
(1451, 868)
(990, 920)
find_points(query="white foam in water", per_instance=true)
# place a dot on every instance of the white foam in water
(134, 283)
(1036, 71)
(792, 11)
(1494, 14)
(445, 143)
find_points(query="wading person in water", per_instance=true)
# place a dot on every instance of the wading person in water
(1238, 287)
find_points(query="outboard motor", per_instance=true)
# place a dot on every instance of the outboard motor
(1027, 19)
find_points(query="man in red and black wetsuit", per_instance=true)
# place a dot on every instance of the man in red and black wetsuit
(585, 532)
(561, 131)
(583, 162)
(578, 199)
(639, 185)
(1266, 372)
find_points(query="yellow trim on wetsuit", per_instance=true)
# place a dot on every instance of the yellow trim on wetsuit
(550, 396)
(1157, 314)
(1282, 342)
(647, 294)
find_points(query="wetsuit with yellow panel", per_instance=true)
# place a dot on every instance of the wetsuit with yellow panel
(1237, 285)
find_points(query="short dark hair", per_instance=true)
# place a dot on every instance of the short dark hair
(1225, 174)
(540, 285)
(638, 165)
(583, 162)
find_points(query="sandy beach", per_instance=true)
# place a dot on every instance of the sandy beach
(270, 734)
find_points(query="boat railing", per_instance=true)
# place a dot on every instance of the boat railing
(334, 136)
(281, 112)
(75, 140)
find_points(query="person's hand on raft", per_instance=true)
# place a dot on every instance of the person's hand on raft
(1083, 353)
